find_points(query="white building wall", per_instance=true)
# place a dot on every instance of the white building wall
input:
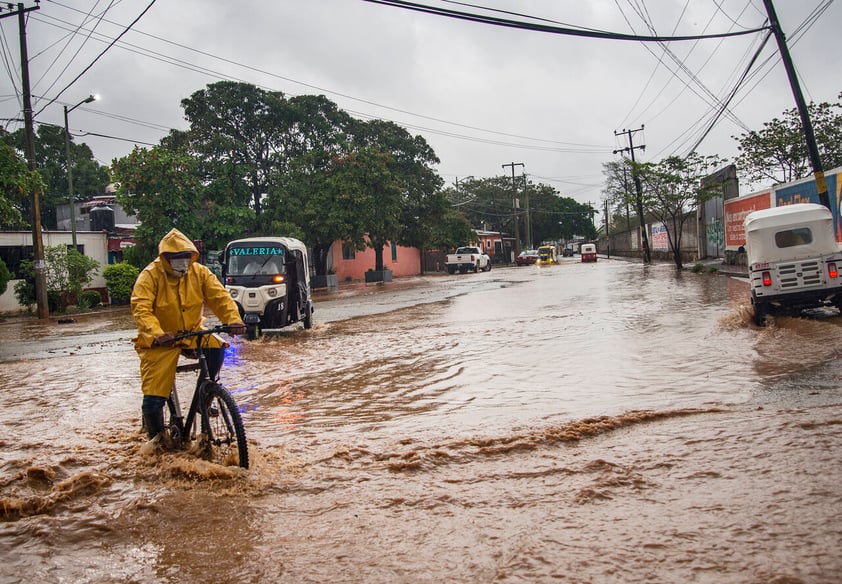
(95, 246)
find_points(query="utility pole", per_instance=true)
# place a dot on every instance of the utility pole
(528, 221)
(463, 180)
(37, 241)
(515, 205)
(815, 160)
(647, 253)
(607, 235)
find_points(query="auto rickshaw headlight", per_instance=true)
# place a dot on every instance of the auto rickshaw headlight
(272, 292)
(233, 293)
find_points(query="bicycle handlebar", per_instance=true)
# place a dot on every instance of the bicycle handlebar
(222, 328)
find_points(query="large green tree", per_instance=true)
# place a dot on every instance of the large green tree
(778, 153)
(673, 190)
(89, 177)
(368, 179)
(310, 196)
(241, 135)
(162, 189)
(488, 204)
(17, 183)
(406, 195)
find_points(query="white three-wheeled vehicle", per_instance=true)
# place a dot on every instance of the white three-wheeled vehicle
(269, 279)
(793, 259)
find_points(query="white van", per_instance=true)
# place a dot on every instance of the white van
(793, 259)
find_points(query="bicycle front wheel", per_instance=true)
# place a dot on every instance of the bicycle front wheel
(222, 426)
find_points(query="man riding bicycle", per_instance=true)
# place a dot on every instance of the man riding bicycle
(168, 297)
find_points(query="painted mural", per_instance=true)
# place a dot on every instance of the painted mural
(800, 191)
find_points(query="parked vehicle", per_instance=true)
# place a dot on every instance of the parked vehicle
(793, 259)
(588, 252)
(467, 259)
(269, 279)
(546, 256)
(568, 252)
(527, 257)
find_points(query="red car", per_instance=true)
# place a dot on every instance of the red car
(527, 257)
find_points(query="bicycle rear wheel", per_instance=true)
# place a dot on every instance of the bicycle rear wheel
(222, 426)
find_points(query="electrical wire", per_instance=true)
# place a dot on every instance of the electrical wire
(564, 147)
(78, 50)
(86, 69)
(731, 96)
(472, 17)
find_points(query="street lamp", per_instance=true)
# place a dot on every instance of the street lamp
(67, 110)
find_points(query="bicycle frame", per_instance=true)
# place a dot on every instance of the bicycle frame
(184, 430)
(197, 405)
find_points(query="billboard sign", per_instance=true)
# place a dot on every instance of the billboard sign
(735, 214)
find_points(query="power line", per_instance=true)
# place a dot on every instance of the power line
(190, 66)
(86, 69)
(503, 22)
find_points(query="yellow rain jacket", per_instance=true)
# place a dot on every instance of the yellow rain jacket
(163, 302)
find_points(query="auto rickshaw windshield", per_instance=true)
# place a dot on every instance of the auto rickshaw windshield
(255, 264)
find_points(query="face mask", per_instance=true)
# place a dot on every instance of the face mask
(180, 265)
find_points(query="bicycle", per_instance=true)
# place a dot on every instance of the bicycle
(213, 412)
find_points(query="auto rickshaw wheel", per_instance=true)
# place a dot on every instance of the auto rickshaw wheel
(308, 317)
(252, 332)
(760, 312)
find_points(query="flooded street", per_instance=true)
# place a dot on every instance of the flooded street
(581, 423)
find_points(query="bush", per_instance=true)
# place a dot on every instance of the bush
(25, 289)
(25, 292)
(89, 299)
(120, 279)
(5, 276)
(68, 270)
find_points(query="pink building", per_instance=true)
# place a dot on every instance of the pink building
(351, 264)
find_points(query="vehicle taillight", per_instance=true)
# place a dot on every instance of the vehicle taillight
(831, 270)
(767, 279)
(473, 259)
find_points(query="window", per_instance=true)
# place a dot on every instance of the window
(13, 254)
(793, 237)
(348, 251)
(394, 252)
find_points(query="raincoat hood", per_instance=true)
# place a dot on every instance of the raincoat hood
(176, 242)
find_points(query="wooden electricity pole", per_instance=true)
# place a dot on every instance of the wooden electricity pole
(812, 148)
(37, 241)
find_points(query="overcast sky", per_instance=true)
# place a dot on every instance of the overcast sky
(482, 96)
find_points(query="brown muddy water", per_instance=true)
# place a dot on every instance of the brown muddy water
(579, 423)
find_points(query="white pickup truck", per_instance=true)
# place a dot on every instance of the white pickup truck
(467, 259)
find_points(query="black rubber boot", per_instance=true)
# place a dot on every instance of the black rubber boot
(154, 422)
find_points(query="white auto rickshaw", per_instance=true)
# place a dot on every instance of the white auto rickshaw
(793, 259)
(269, 279)
(588, 252)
